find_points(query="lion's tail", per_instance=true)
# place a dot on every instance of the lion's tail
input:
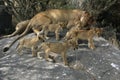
(11, 35)
(23, 34)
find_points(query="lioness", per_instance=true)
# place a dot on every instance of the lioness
(58, 47)
(30, 43)
(85, 35)
(20, 27)
(53, 15)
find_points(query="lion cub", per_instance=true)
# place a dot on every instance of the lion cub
(30, 43)
(85, 35)
(71, 31)
(58, 48)
(56, 28)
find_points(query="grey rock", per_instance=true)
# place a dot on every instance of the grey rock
(103, 63)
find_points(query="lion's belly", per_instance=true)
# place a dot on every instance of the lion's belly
(56, 48)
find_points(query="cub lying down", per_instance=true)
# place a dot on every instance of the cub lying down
(58, 48)
(30, 43)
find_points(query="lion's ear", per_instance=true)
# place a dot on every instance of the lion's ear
(86, 13)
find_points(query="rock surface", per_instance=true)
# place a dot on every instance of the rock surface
(103, 63)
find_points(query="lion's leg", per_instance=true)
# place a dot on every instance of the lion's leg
(45, 34)
(34, 52)
(76, 45)
(66, 36)
(76, 41)
(57, 34)
(39, 56)
(47, 52)
(91, 44)
(19, 49)
(36, 31)
(63, 54)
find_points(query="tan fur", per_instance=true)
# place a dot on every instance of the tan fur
(82, 20)
(73, 23)
(85, 35)
(30, 43)
(56, 28)
(76, 27)
(52, 16)
(58, 48)
(70, 24)
(20, 27)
